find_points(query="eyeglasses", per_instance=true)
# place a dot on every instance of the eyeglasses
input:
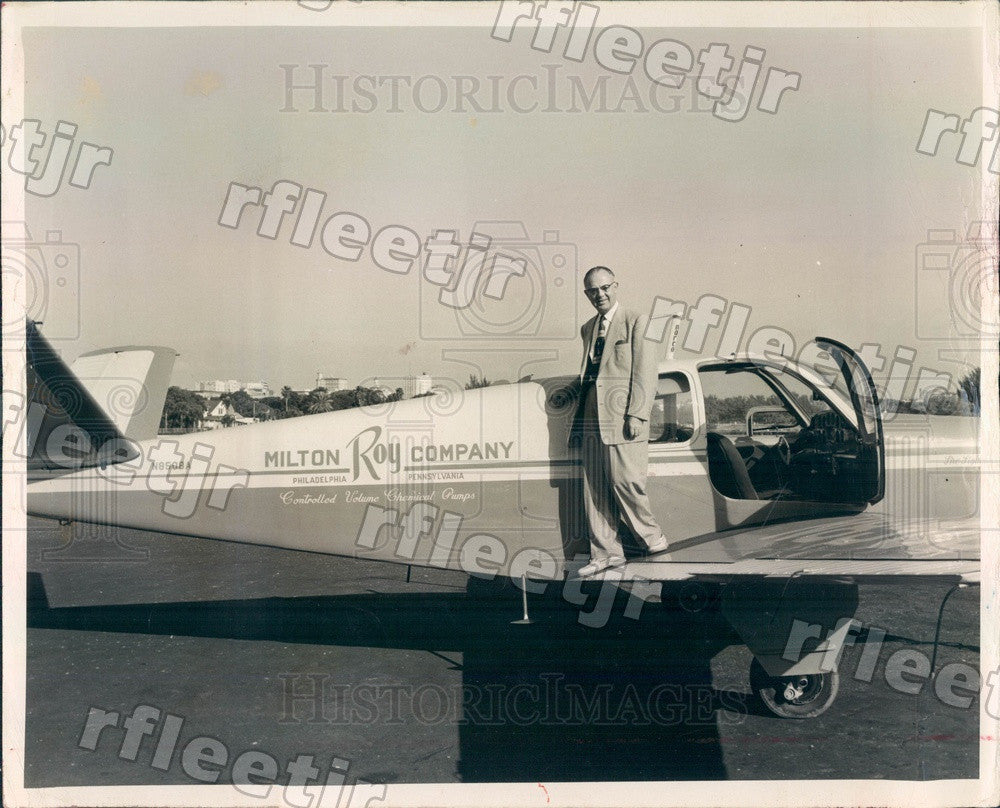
(593, 292)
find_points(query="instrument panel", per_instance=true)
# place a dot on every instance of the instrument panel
(829, 431)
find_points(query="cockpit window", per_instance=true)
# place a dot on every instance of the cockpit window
(733, 394)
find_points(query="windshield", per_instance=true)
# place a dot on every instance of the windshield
(799, 392)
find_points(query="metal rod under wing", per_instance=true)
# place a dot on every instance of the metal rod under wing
(525, 620)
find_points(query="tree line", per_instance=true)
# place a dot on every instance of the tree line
(184, 409)
(291, 404)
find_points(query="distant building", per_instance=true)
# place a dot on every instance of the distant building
(331, 383)
(219, 386)
(384, 386)
(410, 385)
(219, 414)
(417, 385)
(258, 389)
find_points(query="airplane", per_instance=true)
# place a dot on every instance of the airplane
(777, 501)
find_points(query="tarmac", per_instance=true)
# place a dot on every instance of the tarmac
(427, 680)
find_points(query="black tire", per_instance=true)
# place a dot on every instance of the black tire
(818, 691)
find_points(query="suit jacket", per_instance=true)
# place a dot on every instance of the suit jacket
(626, 379)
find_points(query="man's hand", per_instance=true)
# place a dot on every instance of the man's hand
(633, 426)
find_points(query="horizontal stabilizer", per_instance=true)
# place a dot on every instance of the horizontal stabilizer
(67, 427)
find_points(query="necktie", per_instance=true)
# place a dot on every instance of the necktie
(594, 360)
(602, 333)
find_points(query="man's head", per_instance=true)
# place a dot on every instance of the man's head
(601, 288)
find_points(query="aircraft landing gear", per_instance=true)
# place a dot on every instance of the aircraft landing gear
(803, 696)
(796, 628)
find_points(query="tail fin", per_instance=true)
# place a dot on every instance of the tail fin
(130, 384)
(91, 413)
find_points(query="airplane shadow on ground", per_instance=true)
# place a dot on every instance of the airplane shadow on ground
(556, 700)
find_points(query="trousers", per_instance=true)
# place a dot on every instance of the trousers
(614, 486)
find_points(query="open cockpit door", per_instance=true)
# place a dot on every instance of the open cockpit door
(859, 386)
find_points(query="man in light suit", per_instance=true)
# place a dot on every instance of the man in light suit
(618, 384)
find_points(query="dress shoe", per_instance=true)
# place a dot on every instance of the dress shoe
(600, 565)
(658, 546)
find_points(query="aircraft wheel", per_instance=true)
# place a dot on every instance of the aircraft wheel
(804, 696)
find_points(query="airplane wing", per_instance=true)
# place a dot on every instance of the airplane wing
(865, 546)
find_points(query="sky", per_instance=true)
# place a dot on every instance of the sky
(812, 216)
